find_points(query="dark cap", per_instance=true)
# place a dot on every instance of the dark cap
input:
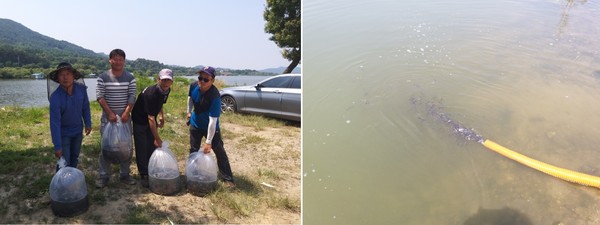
(64, 65)
(209, 70)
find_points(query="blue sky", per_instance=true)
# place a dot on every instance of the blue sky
(224, 33)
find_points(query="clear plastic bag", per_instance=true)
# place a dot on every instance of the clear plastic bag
(117, 145)
(68, 185)
(201, 173)
(68, 191)
(163, 163)
(163, 171)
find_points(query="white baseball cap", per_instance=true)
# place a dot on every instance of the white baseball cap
(165, 74)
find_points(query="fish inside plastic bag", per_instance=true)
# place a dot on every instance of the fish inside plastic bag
(117, 145)
(163, 171)
(68, 191)
(201, 173)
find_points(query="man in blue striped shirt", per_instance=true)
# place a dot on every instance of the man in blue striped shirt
(115, 91)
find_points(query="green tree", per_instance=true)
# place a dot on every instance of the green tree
(283, 22)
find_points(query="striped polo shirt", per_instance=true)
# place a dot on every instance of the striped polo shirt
(117, 91)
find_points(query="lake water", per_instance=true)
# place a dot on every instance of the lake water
(524, 74)
(33, 93)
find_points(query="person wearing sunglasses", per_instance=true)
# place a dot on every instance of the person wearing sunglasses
(203, 111)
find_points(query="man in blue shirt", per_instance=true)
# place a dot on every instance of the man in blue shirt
(205, 100)
(69, 110)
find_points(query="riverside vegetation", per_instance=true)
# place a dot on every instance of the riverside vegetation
(264, 154)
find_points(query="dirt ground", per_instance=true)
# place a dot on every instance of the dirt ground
(270, 168)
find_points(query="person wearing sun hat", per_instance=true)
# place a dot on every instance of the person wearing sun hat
(69, 111)
(148, 116)
(203, 111)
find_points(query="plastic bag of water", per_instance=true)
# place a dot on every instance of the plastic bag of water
(116, 144)
(201, 173)
(163, 171)
(68, 191)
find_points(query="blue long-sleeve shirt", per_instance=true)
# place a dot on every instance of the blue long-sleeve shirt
(67, 112)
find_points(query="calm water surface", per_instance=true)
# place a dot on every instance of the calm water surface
(33, 93)
(525, 74)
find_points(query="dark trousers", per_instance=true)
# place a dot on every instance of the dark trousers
(196, 136)
(144, 147)
(71, 146)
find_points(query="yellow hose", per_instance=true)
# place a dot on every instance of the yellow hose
(558, 172)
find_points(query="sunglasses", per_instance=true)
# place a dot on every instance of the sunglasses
(203, 79)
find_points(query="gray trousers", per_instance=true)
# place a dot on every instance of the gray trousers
(103, 165)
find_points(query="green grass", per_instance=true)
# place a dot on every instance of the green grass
(238, 203)
(256, 121)
(34, 186)
(143, 214)
(3, 208)
(267, 173)
(284, 203)
(249, 199)
(252, 139)
(24, 132)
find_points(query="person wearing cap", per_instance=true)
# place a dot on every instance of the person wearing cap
(149, 106)
(203, 111)
(115, 92)
(69, 111)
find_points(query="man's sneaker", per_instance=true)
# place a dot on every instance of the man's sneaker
(127, 180)
(101, 182)
(144, 181)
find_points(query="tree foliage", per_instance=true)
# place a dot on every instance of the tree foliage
(283, 22)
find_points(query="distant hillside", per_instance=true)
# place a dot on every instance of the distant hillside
(24, 51)
(16, 35)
